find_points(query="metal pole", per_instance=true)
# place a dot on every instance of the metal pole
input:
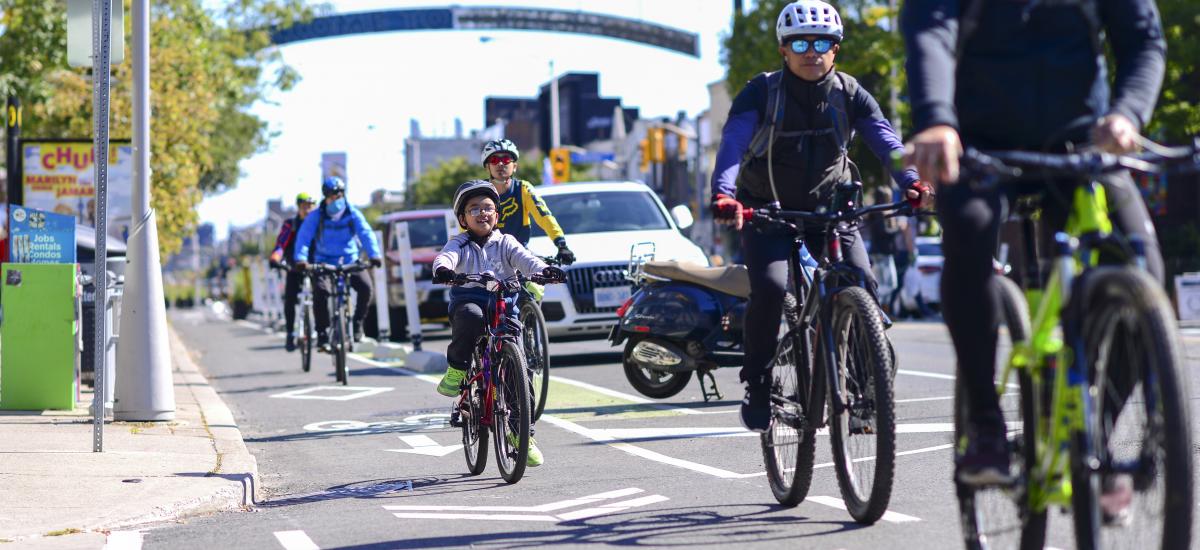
(101, 11)
(196, 302)
(555, 137)
(146, 392)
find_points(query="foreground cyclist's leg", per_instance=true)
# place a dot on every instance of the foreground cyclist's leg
(767, 261)
(363, 293)
(1130, 216)
(467, 325)
(322, 289)
(971, 310)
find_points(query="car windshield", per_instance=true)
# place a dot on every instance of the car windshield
(929, 249)
(604, 211)
(427, 232)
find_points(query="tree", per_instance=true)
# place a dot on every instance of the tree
(437, 186)
(206, 71)
(1177, 116)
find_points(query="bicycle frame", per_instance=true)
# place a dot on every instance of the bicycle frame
(497, 333)
(1055, 362)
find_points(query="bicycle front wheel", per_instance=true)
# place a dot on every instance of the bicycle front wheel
(337, 344)
(863, 434)
(1001, 517)
(510, 413)
(537, 352)
(1140, 431)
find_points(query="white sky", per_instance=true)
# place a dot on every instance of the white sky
(358, 93)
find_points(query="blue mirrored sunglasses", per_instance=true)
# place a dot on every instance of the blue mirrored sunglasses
(820, 45)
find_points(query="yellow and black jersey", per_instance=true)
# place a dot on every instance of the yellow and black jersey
(518, 205)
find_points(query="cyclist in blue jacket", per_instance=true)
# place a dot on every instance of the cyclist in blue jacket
(335, 233)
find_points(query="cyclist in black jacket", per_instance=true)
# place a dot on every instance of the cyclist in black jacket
(285, 244)
(1026, 75)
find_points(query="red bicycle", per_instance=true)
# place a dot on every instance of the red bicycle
(495, 395)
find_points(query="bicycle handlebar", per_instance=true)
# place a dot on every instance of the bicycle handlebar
(461, 279)
(774, 214)
(320, 269)
(999, 166)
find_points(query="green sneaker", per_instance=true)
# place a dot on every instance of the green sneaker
(451, 384)
(535, 458)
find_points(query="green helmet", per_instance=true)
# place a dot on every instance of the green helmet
(302, 198)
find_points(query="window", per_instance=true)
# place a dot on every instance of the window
(605, 211)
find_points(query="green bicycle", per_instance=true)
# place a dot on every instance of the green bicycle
(1101, 394)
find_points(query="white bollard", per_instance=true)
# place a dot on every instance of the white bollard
(418, 360)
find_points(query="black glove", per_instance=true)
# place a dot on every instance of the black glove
(554, 273)
(565, 256)
(443, 275)
(376, 262)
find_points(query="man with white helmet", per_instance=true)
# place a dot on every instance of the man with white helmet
(518, 202)
(787, 140)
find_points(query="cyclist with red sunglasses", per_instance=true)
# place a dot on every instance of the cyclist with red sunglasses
(518, 201)
(787, 140)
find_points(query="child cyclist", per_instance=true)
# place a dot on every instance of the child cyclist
(480, 249)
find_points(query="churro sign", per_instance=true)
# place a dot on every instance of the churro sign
(59, 177)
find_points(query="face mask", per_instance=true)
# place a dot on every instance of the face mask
(336, 207)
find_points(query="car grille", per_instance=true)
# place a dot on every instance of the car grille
(583, 280)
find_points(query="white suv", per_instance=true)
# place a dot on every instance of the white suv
(602, 221)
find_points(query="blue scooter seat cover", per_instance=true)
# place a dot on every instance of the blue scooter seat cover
(733, 279)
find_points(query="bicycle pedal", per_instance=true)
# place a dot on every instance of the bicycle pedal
(456, 418)
(859, 426)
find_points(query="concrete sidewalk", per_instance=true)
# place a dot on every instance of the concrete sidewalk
(53, 485)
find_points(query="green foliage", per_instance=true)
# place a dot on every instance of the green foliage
(1177, 116)
(437, 185)
(206, 71)
(869, 52)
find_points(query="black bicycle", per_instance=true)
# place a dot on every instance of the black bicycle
(495, 392)
(304, 315)
(835, 352)
(341, 340)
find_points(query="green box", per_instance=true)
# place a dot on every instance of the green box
(37, 337)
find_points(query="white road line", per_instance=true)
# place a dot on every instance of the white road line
(295, 540)
(247, 324)
(622, 395)
(920, 399)
(937, 375)
(894, 517)
(550, 507)
(347, 392)
(494, 517)
(123, 540)
(610, 508)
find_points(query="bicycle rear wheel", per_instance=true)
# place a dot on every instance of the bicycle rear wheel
(864, 433)
(510, 413)
(789, 446)
(471, 411)
(1140, 430)
(306, 339)
(537, 352)
(1001, 517)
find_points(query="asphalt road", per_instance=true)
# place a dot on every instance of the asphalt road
(374, 465)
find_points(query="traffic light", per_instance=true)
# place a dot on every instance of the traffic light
(644, 148)
(560, 164)
(658, 146)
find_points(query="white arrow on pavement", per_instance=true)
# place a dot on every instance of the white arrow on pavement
(533, 513)
(424, 445)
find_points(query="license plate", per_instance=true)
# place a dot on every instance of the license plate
(611, 296)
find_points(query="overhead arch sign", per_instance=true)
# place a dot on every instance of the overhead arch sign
(491, 18)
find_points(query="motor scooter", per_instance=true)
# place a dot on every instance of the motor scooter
(682, 318)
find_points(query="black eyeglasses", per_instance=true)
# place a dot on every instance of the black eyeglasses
(819, 45)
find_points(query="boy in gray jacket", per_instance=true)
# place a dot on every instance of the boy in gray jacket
(480, 249)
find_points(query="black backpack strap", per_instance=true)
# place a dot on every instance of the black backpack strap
(772, 118)
(841, 102)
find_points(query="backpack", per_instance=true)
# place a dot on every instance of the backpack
(845, 87)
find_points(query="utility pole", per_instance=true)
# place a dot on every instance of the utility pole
(555, 138)
(147, 391)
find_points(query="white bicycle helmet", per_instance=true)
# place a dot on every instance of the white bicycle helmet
(808, 17)
(499, 146)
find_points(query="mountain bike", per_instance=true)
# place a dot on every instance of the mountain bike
(1102, 395)
(834, 352)
(536, 342)
(495, 391)
(341, 340)
(304, 315)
